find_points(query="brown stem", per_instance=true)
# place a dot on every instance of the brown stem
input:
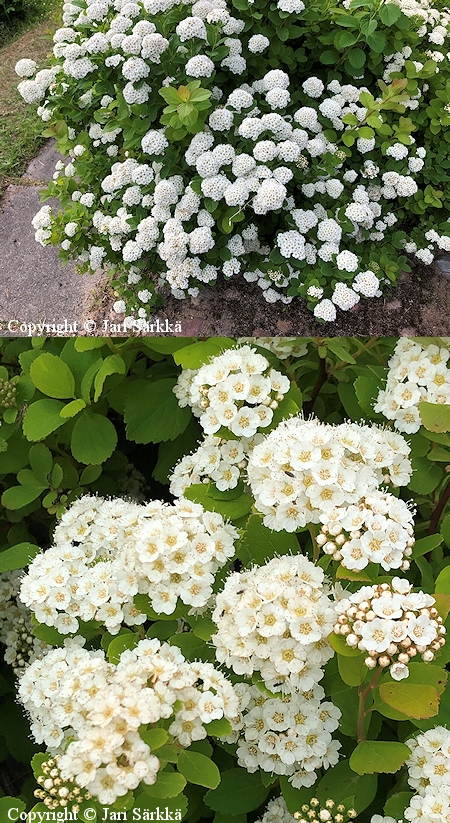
(321, 380)
(363, 693)
(437, 512)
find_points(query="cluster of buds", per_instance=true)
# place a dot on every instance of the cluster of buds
(23, 643)
(315, 812)
(56, 792)
(8, 392)
(379, 529)
(392, 623)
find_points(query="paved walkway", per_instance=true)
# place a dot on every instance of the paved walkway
(34, 285)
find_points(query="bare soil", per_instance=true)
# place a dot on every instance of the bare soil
(418, 305)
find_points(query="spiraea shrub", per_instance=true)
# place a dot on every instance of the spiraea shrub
(300, 145)
(224, 580)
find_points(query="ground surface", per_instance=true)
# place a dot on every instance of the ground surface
(36, 288)
(20, 127)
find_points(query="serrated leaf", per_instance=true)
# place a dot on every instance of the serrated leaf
(196, 354)
(94, 438)
(152, 413)
(42, 418)
(16, 557)
(414, 700)
(435, 416)
(378, 756)
(72, 408)
(168, 784)
(52, 376)
(259, 544)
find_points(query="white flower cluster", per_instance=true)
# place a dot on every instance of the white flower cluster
(379, 529)
(392, 623)
(89, 711)
(288, 735)
(429, 776)
(264, 148)
(107, 551)
(416, 374)
(54, 792)
(219, 461)
(283, 347)
(275, 619)
(305, 470)
(16, 628)
(237, 389)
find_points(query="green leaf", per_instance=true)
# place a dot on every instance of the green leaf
(196, 354)
(232, 509)
(336, 345)
(16, 497)
(374, 756)
(152, 413)
(88, 343)
(192, 647)
(396, 804)
(42, 418)
(7, 804)
(443, 581)
(425, 674)
(219, 728)
(168, 784)
(357, 58)
(94, 438)
(329, 57)
(114, 364)
(341, 782)
(238, 792)
(367, 388)
(294, 798)
(175, 806)
(52, 376)
(72, 408)
(435, 416)
(259, 544)
(198, 769)
(127, 640)
(41, 461)
(444, 529)
(389, 14)
(352, 669)
(376, 41)
(155, 738)
(90, 474)
(18, 556)
(426, 476)
(337, 642)
(50, 635)
(426, 544)
(414, 700)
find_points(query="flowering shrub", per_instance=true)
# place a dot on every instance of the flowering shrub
(185, 124)
(176, 640)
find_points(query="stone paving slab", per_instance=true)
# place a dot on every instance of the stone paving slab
(34, 285)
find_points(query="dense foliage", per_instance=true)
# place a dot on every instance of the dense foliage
(224, 579)
(302, 146)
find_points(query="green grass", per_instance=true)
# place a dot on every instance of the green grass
(20, 127)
